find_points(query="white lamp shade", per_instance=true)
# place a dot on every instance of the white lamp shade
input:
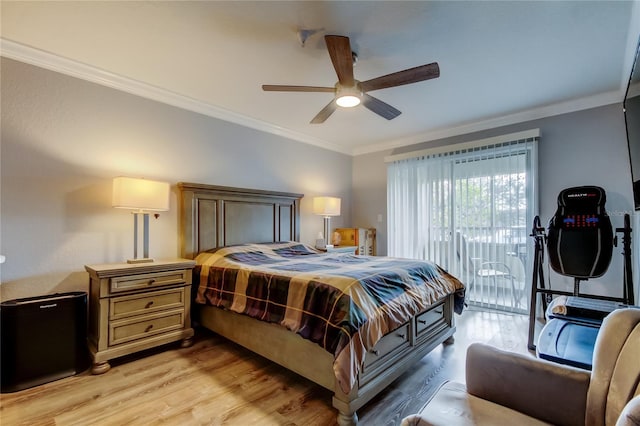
(140, 194)
(326, 206)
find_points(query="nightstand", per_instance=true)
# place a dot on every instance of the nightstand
(340, 249)
(137, 306)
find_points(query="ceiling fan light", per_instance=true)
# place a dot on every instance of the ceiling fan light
(348, 101)
(348, 96)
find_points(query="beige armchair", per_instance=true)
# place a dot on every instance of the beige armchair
(512, 389)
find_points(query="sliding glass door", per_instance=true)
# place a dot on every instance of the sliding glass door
(471, 212)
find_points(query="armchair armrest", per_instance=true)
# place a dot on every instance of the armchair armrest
(550, 392)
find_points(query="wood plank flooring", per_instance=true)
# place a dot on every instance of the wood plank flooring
(216, 382)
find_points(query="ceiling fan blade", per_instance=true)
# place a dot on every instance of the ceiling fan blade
(284, 88)
(322, 116)
(408, 76)
(383, 109)
(340, 52)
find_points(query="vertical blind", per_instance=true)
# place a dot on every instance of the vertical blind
(467, 209)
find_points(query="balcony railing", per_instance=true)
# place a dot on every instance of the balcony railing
(492, 265)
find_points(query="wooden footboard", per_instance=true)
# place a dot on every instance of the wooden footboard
(394, 354)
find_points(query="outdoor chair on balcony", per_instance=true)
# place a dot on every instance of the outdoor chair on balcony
(488, 276)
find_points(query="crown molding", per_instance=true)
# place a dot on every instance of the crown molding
(594, 101)
(40, 58)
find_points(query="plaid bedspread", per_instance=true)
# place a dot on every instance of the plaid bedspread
(344, 303)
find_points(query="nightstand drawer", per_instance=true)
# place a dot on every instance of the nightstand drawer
(139, 304)
(145, 281)
(143, 326)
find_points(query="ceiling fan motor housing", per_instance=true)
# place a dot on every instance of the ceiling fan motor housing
(348, 96)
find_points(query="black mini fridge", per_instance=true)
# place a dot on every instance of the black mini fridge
(42, 339)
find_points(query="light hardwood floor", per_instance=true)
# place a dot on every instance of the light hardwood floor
(216, 382)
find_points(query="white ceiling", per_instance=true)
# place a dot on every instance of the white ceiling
(500, 62)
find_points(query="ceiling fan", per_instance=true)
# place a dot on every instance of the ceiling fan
(350, 92)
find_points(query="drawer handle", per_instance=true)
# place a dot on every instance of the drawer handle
(148, 305)
(422, 321)
(375, 352)
(402, 336)
(151, 281)
(149, 327)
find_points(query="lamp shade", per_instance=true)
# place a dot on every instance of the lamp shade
(140, 194)
(326, 206)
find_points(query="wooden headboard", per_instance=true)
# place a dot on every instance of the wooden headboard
(219, 216)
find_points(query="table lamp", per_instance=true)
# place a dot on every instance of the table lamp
(327, 207)
(141, 196)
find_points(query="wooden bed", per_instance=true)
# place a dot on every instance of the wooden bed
(214, 216)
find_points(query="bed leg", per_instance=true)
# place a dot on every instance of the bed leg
(450, 340)
(347, 420)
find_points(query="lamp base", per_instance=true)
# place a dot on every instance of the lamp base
(141, 260)
(327, 230)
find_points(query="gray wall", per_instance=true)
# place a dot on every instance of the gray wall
(582, 148)
(64, 139)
